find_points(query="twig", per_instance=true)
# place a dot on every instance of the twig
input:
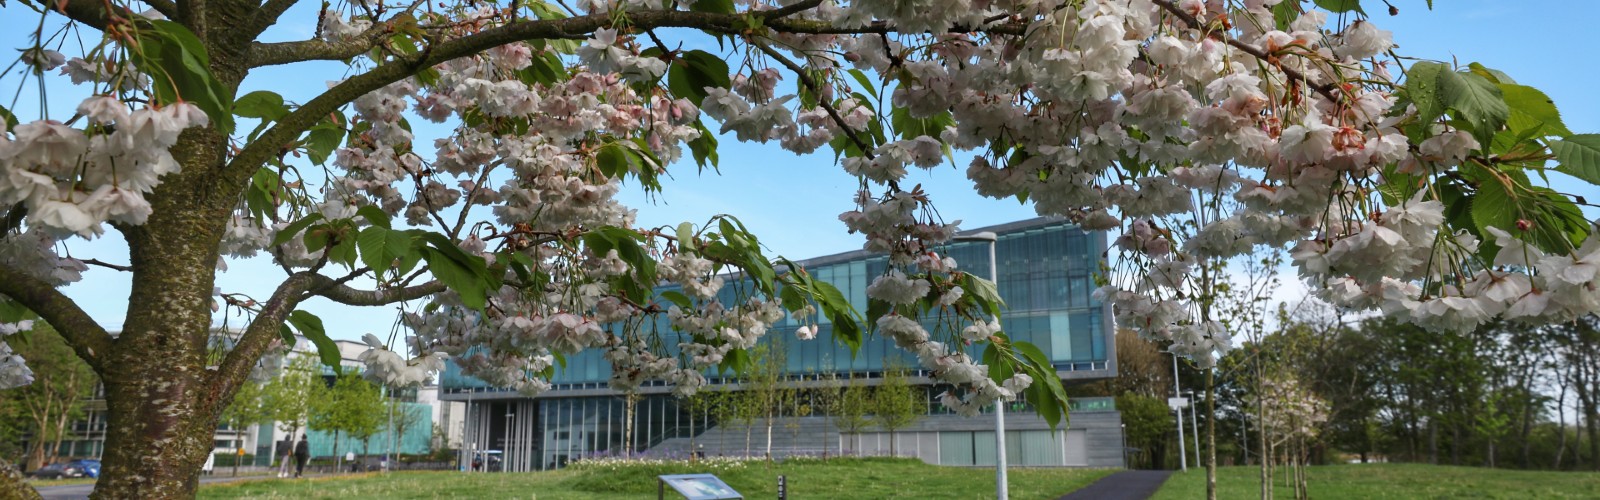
(866, 149)
(1325, 89)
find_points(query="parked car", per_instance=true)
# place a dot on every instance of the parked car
(75, 468)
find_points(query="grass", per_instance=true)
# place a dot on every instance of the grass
(1391, 482)
(807, 478)
(41, 483)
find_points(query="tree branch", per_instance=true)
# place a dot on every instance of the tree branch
(1325, 90)
(86, 337)
(324, 286)
(290, 127)
(805, 79)
(257, 338)
(271, 54)
(108, 265)
(268, 15)
(88, 12)
(165, 7)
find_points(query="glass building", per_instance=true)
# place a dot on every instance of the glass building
(1046, 275)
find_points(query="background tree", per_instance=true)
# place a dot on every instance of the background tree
(403, 417)
(826, 397)
(1147, 422)
(248, 408)
(352, 407)
(287, 398)
(854, 413)
(47, 407)
(896, 404)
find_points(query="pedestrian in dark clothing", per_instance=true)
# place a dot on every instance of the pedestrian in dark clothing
(302, 452)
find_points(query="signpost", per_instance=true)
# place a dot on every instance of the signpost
(698, 487)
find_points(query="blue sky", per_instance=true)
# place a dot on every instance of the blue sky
(792, 202)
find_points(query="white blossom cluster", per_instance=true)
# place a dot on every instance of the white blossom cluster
(72, 180)
(1289, 409)
(14, 371)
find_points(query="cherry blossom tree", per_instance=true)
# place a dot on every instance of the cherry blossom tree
(1400, 185)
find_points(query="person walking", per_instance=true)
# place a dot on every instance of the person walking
(302, 452)
(282, 451)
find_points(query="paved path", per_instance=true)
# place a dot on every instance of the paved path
(82, 491)
(1125, 485)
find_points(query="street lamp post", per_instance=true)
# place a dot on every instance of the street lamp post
(1194, 426)
(1177, 392)
(1001, 488)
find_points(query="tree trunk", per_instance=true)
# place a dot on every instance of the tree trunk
(157, 439)
(338, 460)
(1456, 443)
(162, 401)
(1432, 441)
(1211, 435)
(1264, 453)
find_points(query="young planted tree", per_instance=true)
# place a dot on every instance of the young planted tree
(248, 408)
(1412, 194)
(854, 412)
(287, 398)
(403, 418)
(825, 399)
(352, 407)
(896, 404)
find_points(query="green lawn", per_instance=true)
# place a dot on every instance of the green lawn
(1392, 481)
(837, 478)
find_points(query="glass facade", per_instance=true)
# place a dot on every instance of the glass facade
(1046, 269)
(1046, 278)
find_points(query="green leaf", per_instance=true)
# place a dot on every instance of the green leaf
(1528, 103)
(693, 72)
(1579, 156)
(343, 250)
(704, 147)
(180, 70)
(984, 292)
(310, 326)
(1493, 207)
(288, 232)
(910, 127)
(1339, 6)
(713, 6)
(1475, 100)
(678, 298)
(458, 277)
(9, 118)
(322, 140)
(374, 245)
(374, 215)
(612, 160)
(1494, 75)
(262, 104)
(1422, 89)
(866, 83)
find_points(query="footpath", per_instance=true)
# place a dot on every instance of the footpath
(1125, 485)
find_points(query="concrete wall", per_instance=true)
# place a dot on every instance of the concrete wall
(1090, 439)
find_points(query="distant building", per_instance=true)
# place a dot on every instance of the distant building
(87, 436)
(1046, 269)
